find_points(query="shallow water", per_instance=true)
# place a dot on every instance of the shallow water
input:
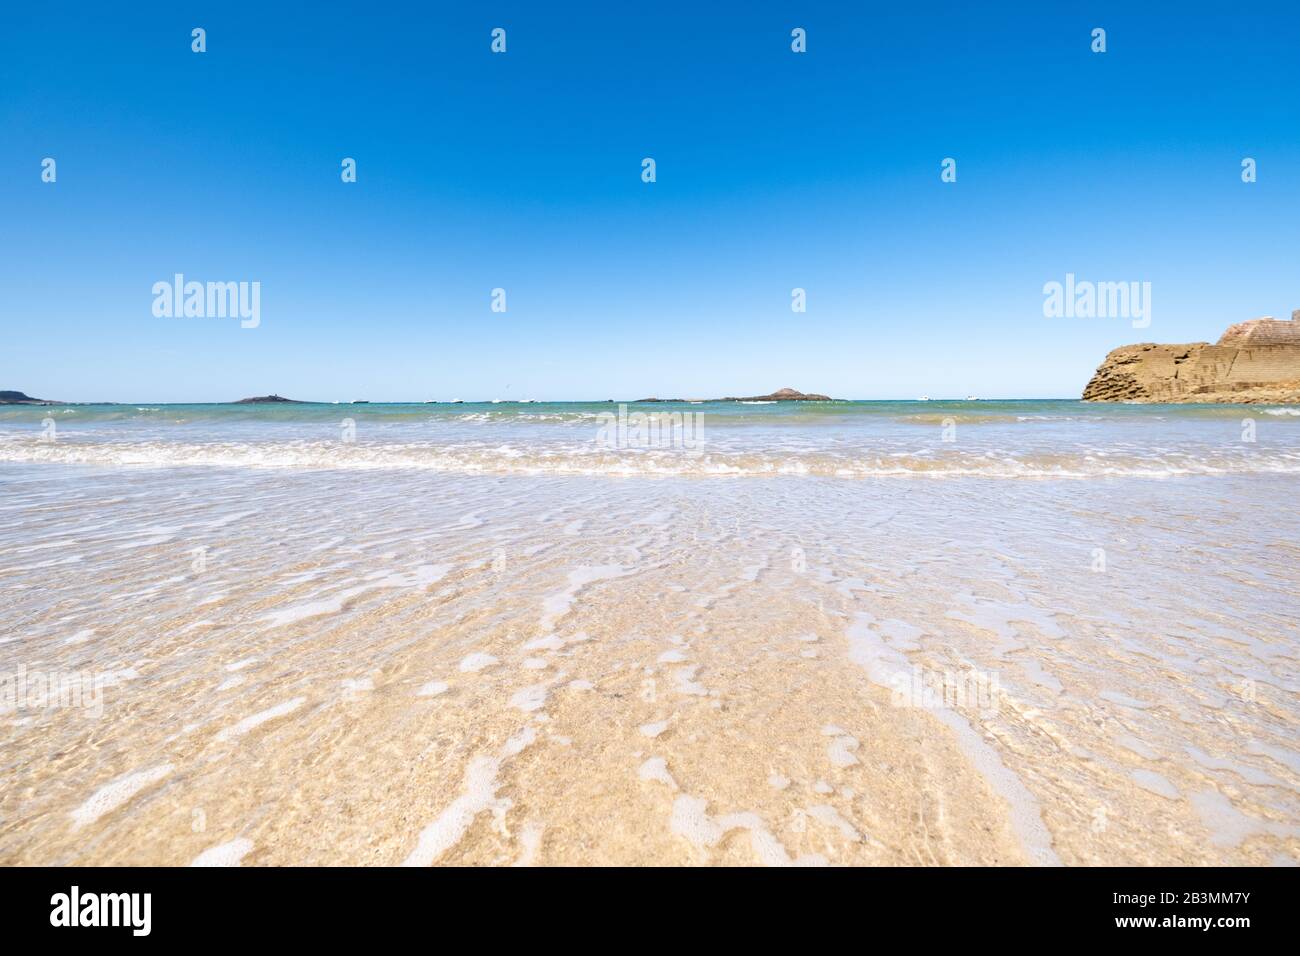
(415, 648)
(1027, 439)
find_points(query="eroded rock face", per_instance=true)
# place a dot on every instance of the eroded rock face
(1257, 361)
(1265, 331)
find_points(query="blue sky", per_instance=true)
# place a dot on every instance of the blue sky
(522, 171)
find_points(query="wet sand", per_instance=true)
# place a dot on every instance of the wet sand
(431, 669)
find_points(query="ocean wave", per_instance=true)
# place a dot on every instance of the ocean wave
(592, 459)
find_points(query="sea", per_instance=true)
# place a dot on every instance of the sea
(827, 633)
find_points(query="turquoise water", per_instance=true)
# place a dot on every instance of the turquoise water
(287, 610)
(1029, 438)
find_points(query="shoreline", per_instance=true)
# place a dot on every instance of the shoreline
(630, 674)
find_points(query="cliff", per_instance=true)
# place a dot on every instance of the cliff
(1256, 361)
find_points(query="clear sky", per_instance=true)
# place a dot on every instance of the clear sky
(522, 171)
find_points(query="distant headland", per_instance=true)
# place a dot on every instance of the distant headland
(780, 395)
(20, 398)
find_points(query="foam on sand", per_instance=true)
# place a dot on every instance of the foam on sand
(530, 840)
(841, 748)
(558, 605)
(480, 794)
(476, 662)
(271, 713)
(1155, 783)
(227, 854)
(827, 814)
(419, 577)
(1228, 826)
(111, 796)
(684, 678)
(691, 821)
(656, 768)
(530, 698)
(884, 664)
(655, 729)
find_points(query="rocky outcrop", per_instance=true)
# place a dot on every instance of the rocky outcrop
(1256, 361)
(1265, 331)
(780, 395)
(267, 400)
(20, 398)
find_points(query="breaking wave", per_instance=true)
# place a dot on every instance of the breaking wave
(572, 458)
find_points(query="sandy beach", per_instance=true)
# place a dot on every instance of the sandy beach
(304, 664)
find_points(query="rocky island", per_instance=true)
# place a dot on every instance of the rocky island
(20, 398)
(780, 395)
(1253, 362)
(267, 400)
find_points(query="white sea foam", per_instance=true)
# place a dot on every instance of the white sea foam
(579, 458)
(841, 748)
(684, 680)
(558, 605)
(480, 789)
(656, 768)
(1228, 826)
(256, 720)
(1154, 782)
(654, 729)
(530, 842)
(530, 698)
(472, 663)
(111, 796)
(691, 821)
(827, 814)
(883, 665)
(227, 854)
(310, 609)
